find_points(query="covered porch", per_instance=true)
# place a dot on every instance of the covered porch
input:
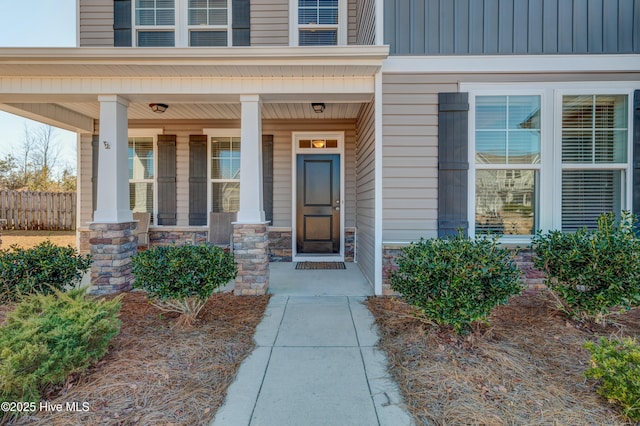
(236, 127)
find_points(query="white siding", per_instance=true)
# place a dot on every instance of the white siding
(365, 190)
(96, 23)
(269, 22)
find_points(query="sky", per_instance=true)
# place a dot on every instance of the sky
(36, 23)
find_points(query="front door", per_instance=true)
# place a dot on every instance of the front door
(318, 204)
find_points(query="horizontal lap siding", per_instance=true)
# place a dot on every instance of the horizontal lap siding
(85, 186)
(410, 150)
(365, 190)
(463, 27)
(282, 155)
(269, 22)
(96, 23)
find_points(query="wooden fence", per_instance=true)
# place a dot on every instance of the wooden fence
(53, 211)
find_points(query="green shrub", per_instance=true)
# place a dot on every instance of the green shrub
(617, 364)
(456, 281)
(592, 271)
(40, 269)
(182, 278)
(48, 337)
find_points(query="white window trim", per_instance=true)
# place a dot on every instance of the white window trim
(152, 133)
(181, 29)
(548, 208)
(342, 27)
(295, 138)
(209, 132)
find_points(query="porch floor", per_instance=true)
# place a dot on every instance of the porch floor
(315, 361)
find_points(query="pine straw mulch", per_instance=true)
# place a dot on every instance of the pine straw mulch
(526, 368)
(156, 375)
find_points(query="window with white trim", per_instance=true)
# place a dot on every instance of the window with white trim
(318, 22)
(225, 173)
(552, 158)
(142, 181)
(169, 23)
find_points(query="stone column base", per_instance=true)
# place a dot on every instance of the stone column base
(112, 245)
(251, 252)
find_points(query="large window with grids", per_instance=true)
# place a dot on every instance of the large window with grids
(141, 175)
(318, 22)
(169, 23)
(225, 173)
(547, 158)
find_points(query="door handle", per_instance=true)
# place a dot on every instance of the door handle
(338, 208)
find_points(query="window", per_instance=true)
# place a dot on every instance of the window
(225, 173)
(507, 163)
(141, 175)
(160, 23)
(318, 22)
(547, 157)
(208, 23)
(155, 23)
(594, 157)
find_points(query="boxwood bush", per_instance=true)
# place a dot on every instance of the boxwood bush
(48, 337)
(592, 271)
(617, 364)
(456, 281)
(182, 278)
(41, 269)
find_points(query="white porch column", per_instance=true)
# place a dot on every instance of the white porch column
(251, 207)
(113, 170)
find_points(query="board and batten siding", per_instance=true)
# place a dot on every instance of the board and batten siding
(269, 22)
(96, 23)
(280, 129)
(366, 22)
(464, 27)
(366, 190)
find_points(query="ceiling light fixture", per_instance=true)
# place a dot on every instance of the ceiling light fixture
(318, 107)
(159, 108)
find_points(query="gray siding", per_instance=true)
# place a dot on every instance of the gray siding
(365, 190)
(467, 27)
(366, 22)
(281, 131)
(96, 23)
(269, 22)
(410, 144)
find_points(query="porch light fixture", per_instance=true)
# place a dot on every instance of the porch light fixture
(318, 107)
(159, 108)
(318, 143)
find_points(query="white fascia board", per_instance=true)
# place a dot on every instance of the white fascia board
(189, 56)
(511, 64)
(52, 114)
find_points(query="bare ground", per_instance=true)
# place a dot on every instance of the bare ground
(526, 368)
(157, 375)
(28, 239)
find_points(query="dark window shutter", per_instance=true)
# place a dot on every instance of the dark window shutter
(267, 176)
(166, 180)
(636, 153)
(241, 25)
(94, 172)
(453, 162)
(198, 180)
(122, 23)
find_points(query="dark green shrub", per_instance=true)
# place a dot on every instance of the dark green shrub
(456, 281)
(182, 278)
(592, 271)
(40, 269)
(48, 337)
(617, 364)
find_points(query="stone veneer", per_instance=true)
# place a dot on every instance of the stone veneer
(280, 244)
(112, 245)
(532, 277)
(251, 252)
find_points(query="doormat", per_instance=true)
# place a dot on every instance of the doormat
(320, 265)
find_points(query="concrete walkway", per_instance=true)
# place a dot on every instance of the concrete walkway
(315, 362)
